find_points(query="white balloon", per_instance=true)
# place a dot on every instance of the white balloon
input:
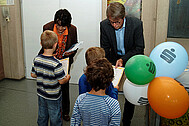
(135, 94)
(184, 79)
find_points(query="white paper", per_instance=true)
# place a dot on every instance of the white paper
(75, 47)
(118, 72)
(65, 65)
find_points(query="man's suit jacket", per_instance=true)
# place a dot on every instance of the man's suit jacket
(133, 39)
(72, 38)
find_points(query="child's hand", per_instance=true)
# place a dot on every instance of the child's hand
(68, 77)
(65, 79)
(33, 75)
(117, 86)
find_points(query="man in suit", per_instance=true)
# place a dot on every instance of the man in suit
(67, 36)
(121, 37)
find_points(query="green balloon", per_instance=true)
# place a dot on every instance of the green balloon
(140, 69)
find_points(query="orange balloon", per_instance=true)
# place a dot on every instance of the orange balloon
(167, 97)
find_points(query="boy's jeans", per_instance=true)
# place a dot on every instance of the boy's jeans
(49, 109)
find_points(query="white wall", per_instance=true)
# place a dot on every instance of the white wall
(86, 16)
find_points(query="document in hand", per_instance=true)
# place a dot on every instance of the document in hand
(65, 65)
(75, 47)
(118, 72)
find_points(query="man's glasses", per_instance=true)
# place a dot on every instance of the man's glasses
(115, 22)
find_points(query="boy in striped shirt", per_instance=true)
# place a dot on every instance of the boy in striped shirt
(95, 108)
(49, 74)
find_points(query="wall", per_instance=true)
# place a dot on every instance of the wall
(148, 16)
(86, 15)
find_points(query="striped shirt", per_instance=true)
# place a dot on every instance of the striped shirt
(48, 70)
(95, 110)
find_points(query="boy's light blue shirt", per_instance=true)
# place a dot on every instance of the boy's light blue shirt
(120, 39)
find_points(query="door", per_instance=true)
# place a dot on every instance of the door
(12, 54)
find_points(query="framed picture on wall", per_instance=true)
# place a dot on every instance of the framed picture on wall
(132, 7)
(6, 2)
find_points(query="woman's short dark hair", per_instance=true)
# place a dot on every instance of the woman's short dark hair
(63, 17)
(99, 74)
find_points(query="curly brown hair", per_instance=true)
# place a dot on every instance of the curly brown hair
(99, 74)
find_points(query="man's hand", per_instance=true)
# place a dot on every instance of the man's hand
(119, 63)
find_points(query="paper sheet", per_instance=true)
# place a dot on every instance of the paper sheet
(75, 47)
(118, 72)
(65, 65)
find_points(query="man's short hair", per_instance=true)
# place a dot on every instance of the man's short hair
(115, 10)
(94, 53)
(48, 39)
(63, 16)
(99, 74)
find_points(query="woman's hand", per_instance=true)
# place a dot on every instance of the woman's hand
(68, 53)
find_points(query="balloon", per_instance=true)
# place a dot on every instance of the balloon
(167, 97)
(135, 94)
(140, 69)
(170, 59)
(184, 79)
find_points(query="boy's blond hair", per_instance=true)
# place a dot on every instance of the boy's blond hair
(48, 39)
(94, 53)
